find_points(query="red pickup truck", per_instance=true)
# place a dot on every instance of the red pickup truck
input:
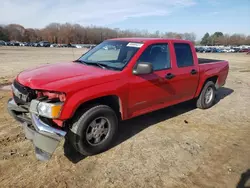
(119, 79)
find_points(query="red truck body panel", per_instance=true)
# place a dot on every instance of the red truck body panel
(219, 69)
(137, 94)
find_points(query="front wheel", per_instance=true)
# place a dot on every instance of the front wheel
(94, 130)
(207, 96)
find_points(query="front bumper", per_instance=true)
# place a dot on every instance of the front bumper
(45, 138)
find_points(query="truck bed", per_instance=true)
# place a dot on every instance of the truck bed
(204, 61)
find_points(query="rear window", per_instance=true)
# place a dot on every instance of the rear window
(184, 56)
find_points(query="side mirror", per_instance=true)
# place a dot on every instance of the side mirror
(143, 68)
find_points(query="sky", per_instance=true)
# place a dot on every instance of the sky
(198, 16)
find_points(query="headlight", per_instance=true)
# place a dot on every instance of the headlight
(52, 95)
(49, 110)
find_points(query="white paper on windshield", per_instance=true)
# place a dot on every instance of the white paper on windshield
(136, 45)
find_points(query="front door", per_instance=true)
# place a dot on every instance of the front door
(147, 91)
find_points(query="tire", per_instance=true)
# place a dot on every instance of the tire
(201, 102)
(81, 126)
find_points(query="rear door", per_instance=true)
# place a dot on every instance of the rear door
(186, 71)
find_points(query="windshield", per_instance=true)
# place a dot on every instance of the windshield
(111, 54)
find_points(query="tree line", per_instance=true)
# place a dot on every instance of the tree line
(77, 34)
(218, 38)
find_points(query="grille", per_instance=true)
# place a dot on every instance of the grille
(23, 94)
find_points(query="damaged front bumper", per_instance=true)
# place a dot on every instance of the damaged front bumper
(45, 138)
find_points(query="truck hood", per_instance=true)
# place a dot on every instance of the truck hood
(65, 77)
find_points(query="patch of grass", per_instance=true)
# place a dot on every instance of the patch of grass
(5, 81)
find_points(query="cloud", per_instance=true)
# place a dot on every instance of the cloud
(39, 13)
(214, 13)
(214, 2)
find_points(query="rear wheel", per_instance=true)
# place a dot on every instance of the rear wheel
(207, 96)
(94, 130)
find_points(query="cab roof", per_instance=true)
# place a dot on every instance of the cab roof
(148, 39)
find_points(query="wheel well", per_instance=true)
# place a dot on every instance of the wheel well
(213, 79)
(111, 100)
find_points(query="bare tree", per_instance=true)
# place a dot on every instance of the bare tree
(75, 33)
(4, 34)
(15, 32)
(189, 36)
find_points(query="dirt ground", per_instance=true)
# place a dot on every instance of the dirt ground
(175, 147)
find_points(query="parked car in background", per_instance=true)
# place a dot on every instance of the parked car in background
(91, 47)
(53, 45)
(9, 43)
(62, 45)
(224, 50)
(13, 43)
(215, 50)
(71, 45)
(207, 50)
(197, 49)
(2, 43)
(201, 50)
(236, 49)
(109, 47)
(78, 46)
(219, 50)
(35, 44)
(29, 43)
(44, 44)
(243, 50)
(26, 43)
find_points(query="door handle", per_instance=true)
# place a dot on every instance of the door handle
(193, 71)
(170, 76)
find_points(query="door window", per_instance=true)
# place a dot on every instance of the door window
(184, 56)
(158, 55)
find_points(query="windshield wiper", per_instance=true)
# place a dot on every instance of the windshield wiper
(89, 63)
(107, 66)
(80, 61)
(101, 65)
